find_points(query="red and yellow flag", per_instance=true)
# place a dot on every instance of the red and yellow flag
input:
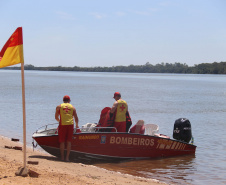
(12, 51)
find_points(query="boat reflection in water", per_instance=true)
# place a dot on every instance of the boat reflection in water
(178, 169)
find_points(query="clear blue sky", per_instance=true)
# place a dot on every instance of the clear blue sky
(90, 33)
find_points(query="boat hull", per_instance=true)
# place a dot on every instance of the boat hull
(116, 146)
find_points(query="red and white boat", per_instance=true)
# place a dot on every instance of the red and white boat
(141, 142)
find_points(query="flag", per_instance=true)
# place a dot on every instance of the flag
(11, 54)
(12, 51)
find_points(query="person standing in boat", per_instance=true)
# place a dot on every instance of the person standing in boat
(65, 113)
(120, 108)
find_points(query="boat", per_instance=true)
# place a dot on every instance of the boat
(142, 141)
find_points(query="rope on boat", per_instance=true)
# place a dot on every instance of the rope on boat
(34, 145)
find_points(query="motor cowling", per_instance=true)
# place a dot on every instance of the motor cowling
(182, 130)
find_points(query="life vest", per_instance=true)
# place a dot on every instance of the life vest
(121, 111)
(66, 114)
(104, 114)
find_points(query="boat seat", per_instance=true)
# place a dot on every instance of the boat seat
(151, 129)
(138, 128)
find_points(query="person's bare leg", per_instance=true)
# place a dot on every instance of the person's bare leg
(62, 151)
(68, 150)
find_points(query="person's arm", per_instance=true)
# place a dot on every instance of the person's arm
(57, 113)
(75, 116)
(114, 107)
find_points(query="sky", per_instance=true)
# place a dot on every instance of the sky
(106, 33)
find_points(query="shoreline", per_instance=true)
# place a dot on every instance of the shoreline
(50, 170)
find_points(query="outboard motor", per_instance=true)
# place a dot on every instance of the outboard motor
(182, 130)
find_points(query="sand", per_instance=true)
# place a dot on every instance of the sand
(51, 171)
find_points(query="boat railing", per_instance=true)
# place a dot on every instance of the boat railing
(53, 129)
(50, 128)
(95, 129)
(105, 129)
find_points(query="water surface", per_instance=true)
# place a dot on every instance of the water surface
(155, 98)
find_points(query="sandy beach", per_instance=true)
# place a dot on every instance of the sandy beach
(50, 170)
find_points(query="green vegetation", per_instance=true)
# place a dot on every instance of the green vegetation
(204, 68)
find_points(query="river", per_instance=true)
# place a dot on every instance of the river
(155, 98)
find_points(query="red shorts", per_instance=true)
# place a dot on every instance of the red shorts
(65, 133)
(120, 126)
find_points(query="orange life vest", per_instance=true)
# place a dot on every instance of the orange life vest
(66, 114)
(121, 111)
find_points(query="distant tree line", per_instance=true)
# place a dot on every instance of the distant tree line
(204, 68)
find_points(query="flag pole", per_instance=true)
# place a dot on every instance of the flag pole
(12, 53)
(23, 171)
(24, 113)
